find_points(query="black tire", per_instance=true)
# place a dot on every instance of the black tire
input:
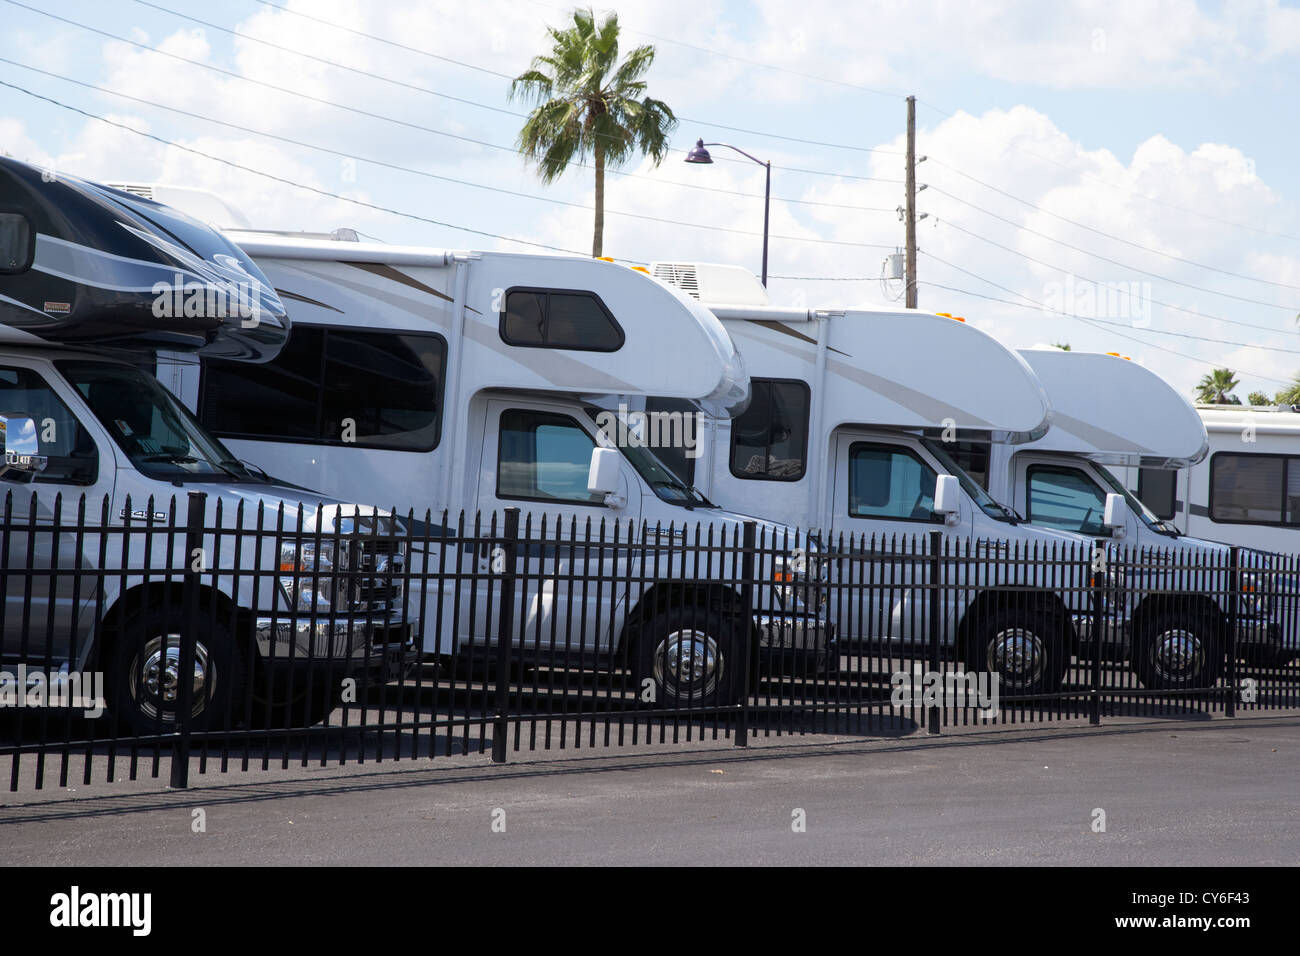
(707, 645)
(144, 684)
(1028, 649)
(1176, 652)
(309, 699)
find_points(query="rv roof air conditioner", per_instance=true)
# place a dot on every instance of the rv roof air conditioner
(712, 282)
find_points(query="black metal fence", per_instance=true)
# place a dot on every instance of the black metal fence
(332, 636)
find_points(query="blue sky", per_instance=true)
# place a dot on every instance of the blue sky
(1145, 142)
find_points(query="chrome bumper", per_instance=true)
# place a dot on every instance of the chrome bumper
(323, 640)
(786, 641)
(1116, 633)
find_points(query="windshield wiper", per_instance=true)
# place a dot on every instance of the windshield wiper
(688, 490)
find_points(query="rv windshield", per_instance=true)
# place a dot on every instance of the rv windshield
(156, 432)
(1146, 514)
(663, 481)
(986, 502)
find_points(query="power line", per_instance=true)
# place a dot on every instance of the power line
(1152, 199)
(411, 86)
(406, 169)
(1075, 222)
(432, 130)
(1167, 305)
(740, 59)
(1161, 348)
(290, 182)
(1046, 308)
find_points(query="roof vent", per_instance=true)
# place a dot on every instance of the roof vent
(711, 283)
(143, 190)
(680, 274)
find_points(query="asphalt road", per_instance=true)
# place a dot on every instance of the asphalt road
(1212, 793)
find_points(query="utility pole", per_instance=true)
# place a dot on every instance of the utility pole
(910, 265)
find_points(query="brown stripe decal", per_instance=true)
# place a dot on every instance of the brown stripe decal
(388, 272)
(786, 330)
(302, 298)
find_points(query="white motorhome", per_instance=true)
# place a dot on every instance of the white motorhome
(83, 269)
(464, 382)
(1246, 491)
(851, 430)
(1111, 418)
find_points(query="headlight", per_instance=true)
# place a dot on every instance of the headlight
(798, 579)
(1255, 599)
(307, 574)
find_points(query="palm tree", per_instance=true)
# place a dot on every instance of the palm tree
(1291, 394)
(1216, 387)
(590, 104)
(1063, 346)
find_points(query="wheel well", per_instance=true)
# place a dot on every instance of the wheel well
(991, 602)
(168, 594)
(663, 595)
(1198, 604)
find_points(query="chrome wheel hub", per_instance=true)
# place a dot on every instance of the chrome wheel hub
(155, 677)
(1178, 654)
(1017, 653)
(688, 664)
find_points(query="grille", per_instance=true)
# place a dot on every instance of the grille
(374, 578)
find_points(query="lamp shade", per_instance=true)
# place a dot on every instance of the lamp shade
(699, 154)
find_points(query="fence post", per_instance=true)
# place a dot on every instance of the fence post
(195, 561)
(505, 632)
(747, 608)
(1097, 582)
(936, 622)
(1234, 588)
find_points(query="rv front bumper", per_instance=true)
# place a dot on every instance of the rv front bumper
(1254, 637)
(358, 643)
(788, 642)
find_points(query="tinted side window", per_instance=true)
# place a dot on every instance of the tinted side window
(676, 455)
(276, 400)
(543, 457)
(1158, 490)
(770, 439)
(15, 243)
(1066, 499)
(888, 482)
(1255, 489)
(71, 451)
(333, 386)
(559, 319)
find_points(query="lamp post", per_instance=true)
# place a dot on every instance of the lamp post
(701, 155)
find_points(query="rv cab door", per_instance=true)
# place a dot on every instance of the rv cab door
(79, 462)
(882, 498)
(536, 457)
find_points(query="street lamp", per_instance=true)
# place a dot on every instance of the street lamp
(701, 155)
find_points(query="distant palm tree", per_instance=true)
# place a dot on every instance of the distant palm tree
(1291, 394)
(1063, 346)
(1216, 387)
(1259, 398)
(590, 104)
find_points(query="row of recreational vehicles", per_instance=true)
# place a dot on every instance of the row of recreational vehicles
(399, 382)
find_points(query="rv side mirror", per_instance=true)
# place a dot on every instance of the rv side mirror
(22, 455)
(947, 498)
(1114, 517)
(603, 475)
